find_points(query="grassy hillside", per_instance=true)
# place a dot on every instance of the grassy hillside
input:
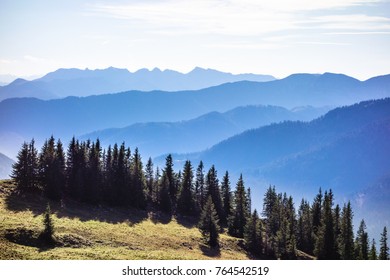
(87, 232)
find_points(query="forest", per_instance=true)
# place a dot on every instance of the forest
(117, 177)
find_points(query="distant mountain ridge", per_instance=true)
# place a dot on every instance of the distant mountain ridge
(197, 134)
(75, 82)
(346, 149)
(26, 118)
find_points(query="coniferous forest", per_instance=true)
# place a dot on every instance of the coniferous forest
(116, 177)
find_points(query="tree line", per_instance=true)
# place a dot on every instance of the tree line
(116, 176)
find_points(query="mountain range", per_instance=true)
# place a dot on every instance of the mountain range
(75, 82)
(197, 134)
(347, 150)
(25, 118)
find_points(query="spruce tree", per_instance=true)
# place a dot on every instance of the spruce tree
(316, 213)
(170, 177)
(48, 231)
(185, 202)
(50, 169)
(373, 253)
(384, 248)
(361, 243)
(137, 190)
(164, 203)
(25, 170)
(156, 187)
(149, 177)
(304, 228)
(226, 198)
(60, 167)
(325, 247)
(209, 223)
(249, 200)
(213, 190)
(337, 230)
(240, 211)
(271, 212)
(346, 240)
(253, 234)
(200, 193)
(285, 241)
(108, 174)
(93, 174)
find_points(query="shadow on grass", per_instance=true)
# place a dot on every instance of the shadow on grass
(34, 238)
(31, 238)
(212, 252)
(158, 217)
(187, 221)
(36, 203)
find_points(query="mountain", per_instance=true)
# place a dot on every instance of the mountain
(197, 134)
(75, 82)
(347, 150)
(5, 166)
(25, 118)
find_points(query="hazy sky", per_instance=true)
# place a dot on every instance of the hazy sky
(266, 37)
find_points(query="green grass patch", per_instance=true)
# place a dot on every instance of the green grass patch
(89, 232)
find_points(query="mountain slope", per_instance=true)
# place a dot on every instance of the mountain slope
(5, 166)
(76, 82)
(100, 233)
(347, 150)
(158, 138)
(255, 148)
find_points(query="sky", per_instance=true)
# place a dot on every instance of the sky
(278, 37)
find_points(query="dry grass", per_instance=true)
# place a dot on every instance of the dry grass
(87, 232)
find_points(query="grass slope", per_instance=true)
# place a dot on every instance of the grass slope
(87, 232)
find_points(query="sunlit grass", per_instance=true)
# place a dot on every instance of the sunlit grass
(90, 233)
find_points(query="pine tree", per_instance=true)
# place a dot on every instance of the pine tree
(48, 231)
(164, 203)
(316, 213)
(271, 212)
(285, 239)
(209, 224)
(200, 194)
(346, 240)
(384, 249)
(213, 190)
(240, 211)
(361, 243)
(156, 187)
(325, 247)
(170, 177)
(253, 235)
(138, 187)
(93, 174)
(149, 176)
(373, 255)
(60, 167)
(185, 202)
(337, 231)
(304, 228)
(108, 174)
(50, 169)
(25, 170)
(249, 200)
(71, 168)
(226, 198)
